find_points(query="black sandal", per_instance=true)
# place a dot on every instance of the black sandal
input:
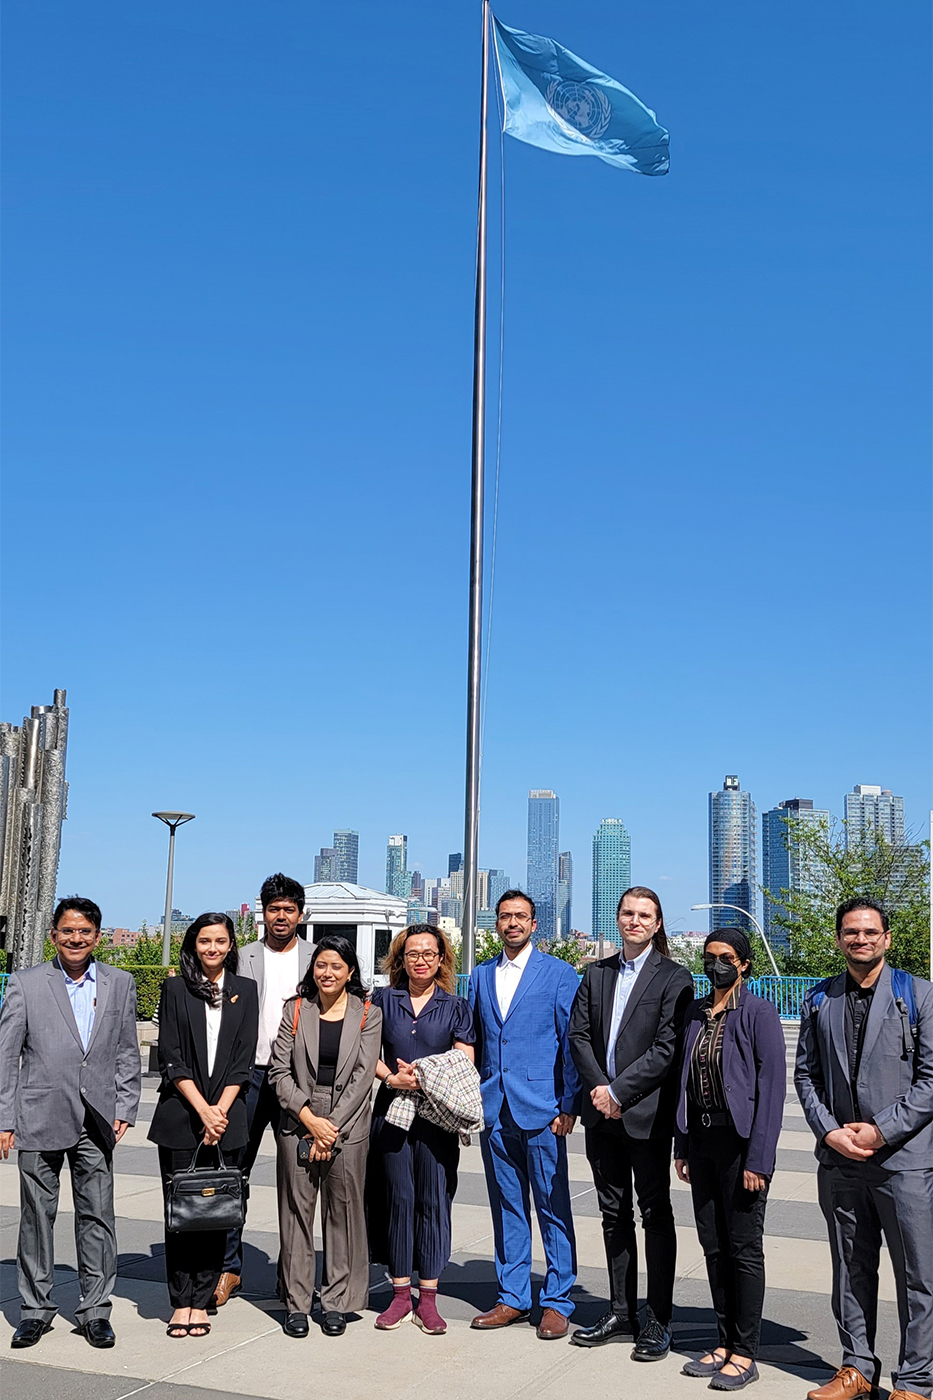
(203, 1329)
(177, 1330)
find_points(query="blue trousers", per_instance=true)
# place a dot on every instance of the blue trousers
(413, 1180)
(518, 1162)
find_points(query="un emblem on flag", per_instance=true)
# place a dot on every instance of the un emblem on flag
(584, 106)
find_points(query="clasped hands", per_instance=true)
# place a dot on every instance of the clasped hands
(322, 1133)
(857, 1141)
(604, 1102)
(215, 1123)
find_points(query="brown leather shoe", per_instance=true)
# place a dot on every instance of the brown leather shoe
(552, 1325)
(499, 1316)
(906, 1395)
(845, 1385)
(226, 1284)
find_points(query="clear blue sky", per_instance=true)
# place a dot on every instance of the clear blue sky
(238, 319)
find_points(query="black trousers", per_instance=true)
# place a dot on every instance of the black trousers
(193, 1260)
(262, 1112)
(730, 1224)
(618, 1162)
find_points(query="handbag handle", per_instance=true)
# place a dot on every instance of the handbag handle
(220, 1155)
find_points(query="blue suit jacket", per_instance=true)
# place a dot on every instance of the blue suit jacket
(526, 1058)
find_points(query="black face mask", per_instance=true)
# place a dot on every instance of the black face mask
(720, 972)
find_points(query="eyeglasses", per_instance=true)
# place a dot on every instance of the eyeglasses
(507, 918)
(872, 934)
(421, 957)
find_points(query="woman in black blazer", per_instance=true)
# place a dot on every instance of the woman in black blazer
(732, 1085)
(208, 1026)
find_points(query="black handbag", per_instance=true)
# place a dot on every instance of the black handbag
(205, 1198)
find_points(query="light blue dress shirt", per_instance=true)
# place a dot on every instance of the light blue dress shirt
(83, 998)
(628, 975)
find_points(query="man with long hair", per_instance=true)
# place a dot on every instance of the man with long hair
(624, 1036)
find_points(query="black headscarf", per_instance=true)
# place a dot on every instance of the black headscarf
(737, 940)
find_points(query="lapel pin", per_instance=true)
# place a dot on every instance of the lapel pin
(235, 998)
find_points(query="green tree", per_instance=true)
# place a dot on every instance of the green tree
(689, 953)
(246, 928)
(896, 874)
(567, 949)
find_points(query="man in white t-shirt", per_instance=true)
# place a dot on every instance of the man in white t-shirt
(276, 963)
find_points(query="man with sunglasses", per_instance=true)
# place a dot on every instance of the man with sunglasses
(865, 1079)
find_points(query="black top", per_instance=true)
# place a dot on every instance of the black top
(441, 1021)
(329, 1033)
(858, 1005)
(705, 1087)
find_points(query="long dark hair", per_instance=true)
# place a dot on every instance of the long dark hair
(334, 943)
(660, 934)
(189, 964)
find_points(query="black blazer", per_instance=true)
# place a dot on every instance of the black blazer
(183, 1055)
(647, 1046)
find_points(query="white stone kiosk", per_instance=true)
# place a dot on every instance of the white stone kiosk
(369, 919)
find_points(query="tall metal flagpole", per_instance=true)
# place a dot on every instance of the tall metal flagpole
(474, 664)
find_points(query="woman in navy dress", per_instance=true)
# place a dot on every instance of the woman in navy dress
(413, 1175)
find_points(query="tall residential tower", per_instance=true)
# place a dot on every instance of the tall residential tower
(543, 843)
(733, 852)
(612, 876)
(783, 865)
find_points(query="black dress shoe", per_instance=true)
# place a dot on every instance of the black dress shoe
(295, 1325)
(98, 1332)
(654, 1342)
(333, 1324)
(611, 1328)
(29, 1332)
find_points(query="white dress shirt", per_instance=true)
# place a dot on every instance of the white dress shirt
(508, 975)
(213, 1012)
(629, 969)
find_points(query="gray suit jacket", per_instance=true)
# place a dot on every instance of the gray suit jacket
(47, 1079)
(895, 1087)
(293, 1072)
(251, 962)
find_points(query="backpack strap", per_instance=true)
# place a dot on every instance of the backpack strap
(367, 1004)
(818, 994)
(902, 985)
(295, 1017)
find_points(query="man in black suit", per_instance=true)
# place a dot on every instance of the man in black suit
(624, 1037)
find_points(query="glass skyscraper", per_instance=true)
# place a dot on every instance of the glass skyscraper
(783, 866)
(733, 853)
(496, 886)
(325, 865)
(347, 862)
(543, 842)
(612, 876)
(398, 876)
(564, 894)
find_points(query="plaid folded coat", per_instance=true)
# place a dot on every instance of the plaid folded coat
(447, 1095)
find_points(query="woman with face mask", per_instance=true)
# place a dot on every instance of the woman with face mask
(732, 1086)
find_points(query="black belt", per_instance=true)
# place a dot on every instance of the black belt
(708, 1118)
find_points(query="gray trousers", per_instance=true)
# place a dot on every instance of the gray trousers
(95, 1236)
(861, 1202)
(339, 1184)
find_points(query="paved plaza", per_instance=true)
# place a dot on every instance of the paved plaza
(247, 1353)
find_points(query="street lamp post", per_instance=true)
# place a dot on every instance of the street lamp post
(173, 820)
(752, 920)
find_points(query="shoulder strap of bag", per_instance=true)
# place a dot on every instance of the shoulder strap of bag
(902, 985)
(366, 1007)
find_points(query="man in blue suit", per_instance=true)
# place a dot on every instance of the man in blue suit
(531, 1096)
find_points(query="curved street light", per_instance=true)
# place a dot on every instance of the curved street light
(752, 920)
(173, 820)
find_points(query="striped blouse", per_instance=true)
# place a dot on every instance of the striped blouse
(704, 1084)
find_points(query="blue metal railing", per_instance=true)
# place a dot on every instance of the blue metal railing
(787, 993)
(4, 978)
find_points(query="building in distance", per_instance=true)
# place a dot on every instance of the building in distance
(612, 876)
(784, 866)
(869, 808)
(733, 852)
(543, 849)
(325, 864)
(398, 877)
(347, 846)
(564, 895)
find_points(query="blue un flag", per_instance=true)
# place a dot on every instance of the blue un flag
(555, 100)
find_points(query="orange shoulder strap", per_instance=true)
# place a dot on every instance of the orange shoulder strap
(295, 1017)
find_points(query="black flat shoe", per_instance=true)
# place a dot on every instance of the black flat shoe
(610, 1328)
(746, 1374)
(29, 1332)
(295, 1325)
(333, 1324)
(654, 1342)
(98, 1332)
(704, 1368)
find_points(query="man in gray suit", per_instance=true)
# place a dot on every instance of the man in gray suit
(865, 1078)
(70, 1078)
(276, 963)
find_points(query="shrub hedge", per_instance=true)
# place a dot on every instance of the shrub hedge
(148, 981)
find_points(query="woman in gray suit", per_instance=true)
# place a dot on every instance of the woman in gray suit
(322, 1070)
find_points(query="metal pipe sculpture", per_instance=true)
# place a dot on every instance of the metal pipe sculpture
(33, 802)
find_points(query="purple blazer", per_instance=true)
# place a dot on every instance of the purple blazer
(754, 1073)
